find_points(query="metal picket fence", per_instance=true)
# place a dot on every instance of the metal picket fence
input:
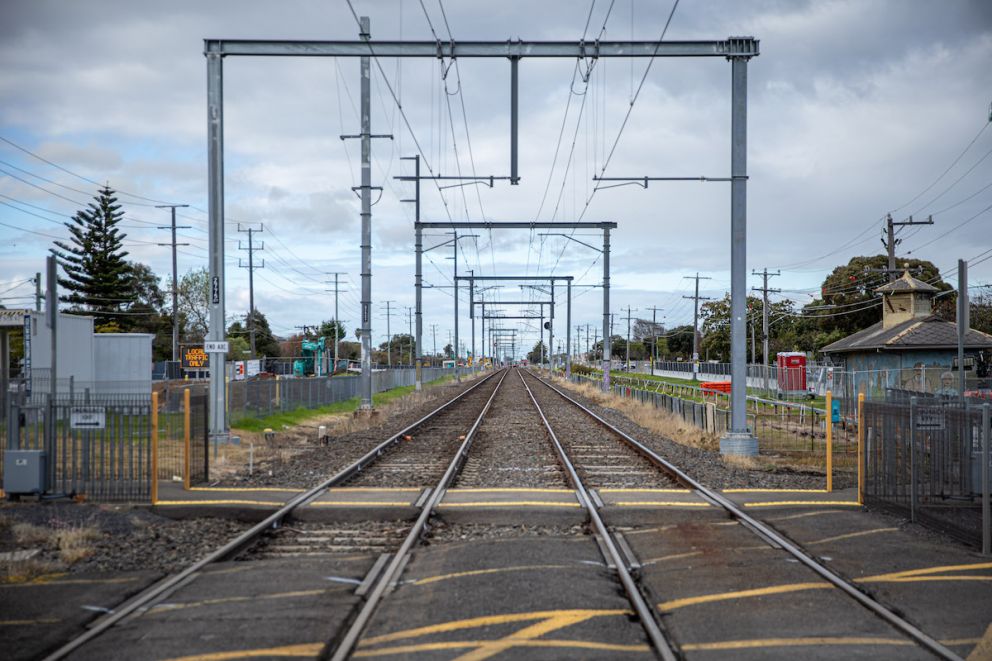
(110, 460)
(923, 460)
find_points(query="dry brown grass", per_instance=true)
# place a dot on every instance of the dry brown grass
(27, 534)
(75, 543)
(654, 420)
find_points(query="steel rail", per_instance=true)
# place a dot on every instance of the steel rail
(645, 612)
(395, 567)
(245, 538)
(773, 535)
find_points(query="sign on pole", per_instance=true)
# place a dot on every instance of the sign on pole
(27, 354)
(216, 347)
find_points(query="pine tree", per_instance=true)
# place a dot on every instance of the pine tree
(98, 276)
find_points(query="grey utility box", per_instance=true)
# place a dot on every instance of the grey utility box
(24, 471)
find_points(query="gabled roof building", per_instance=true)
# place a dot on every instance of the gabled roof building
(910, 348)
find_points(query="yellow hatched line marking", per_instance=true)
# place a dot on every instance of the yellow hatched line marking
(819, 503)
(20, 623)
(742, 594)
(487, 648)
(512, 503)
(793, 642)
(484, 621)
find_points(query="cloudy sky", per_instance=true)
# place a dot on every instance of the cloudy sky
(856, 109)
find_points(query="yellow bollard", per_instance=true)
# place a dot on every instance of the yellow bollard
(186, 439)
(861, 452)
(154, 448)
(277, 390)
(830, 442)
(227, 393)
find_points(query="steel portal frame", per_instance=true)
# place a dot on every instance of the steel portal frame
(736, 49)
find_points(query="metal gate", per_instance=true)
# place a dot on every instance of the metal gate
(97, 446)
(922, 460)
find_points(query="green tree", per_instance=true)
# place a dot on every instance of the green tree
(534, 355)
(847, 294)
(148, 313)
(679, 341)
(194, 305)
(266, 345)
(449, 353)
(98, 277)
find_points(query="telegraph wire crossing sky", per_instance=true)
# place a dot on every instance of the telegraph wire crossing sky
(895, 120)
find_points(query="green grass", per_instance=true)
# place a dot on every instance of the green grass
(302, 414)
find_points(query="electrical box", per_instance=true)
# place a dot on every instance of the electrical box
(24, 472)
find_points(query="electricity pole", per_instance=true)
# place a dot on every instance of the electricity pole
(409, 323)
(251, 279)
(654, 333)
(695, 320)
(37, 292)
(890, 241)
(764, 316)
(628, 336)
(389, 335)
(337, 321)
(434, 334)
(175, 277)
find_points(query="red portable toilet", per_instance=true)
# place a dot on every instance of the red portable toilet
(792, 372)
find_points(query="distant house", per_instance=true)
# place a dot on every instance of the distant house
(910, 349)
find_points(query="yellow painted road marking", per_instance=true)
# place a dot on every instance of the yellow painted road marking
(360, 503)
(761, 643)
(644, 490)
(819, 503)
(169, 607)
(307, 650)
(851, 535)
(512, 503)
(489, 648)
(908, 576)
(483, 621)
(508, 490)
(659, 503)
(269, 503)
(18, 623)
(774, 491)
(742, 594)
(793, 642)
(481, 572)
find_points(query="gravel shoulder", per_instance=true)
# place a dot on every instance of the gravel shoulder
(52, 537)
(706, 466)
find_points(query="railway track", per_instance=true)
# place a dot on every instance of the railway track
(438, 420)
(555, 404)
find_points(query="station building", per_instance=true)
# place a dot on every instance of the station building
(910, 349)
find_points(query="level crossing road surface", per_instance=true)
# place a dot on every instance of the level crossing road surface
(508, 565)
